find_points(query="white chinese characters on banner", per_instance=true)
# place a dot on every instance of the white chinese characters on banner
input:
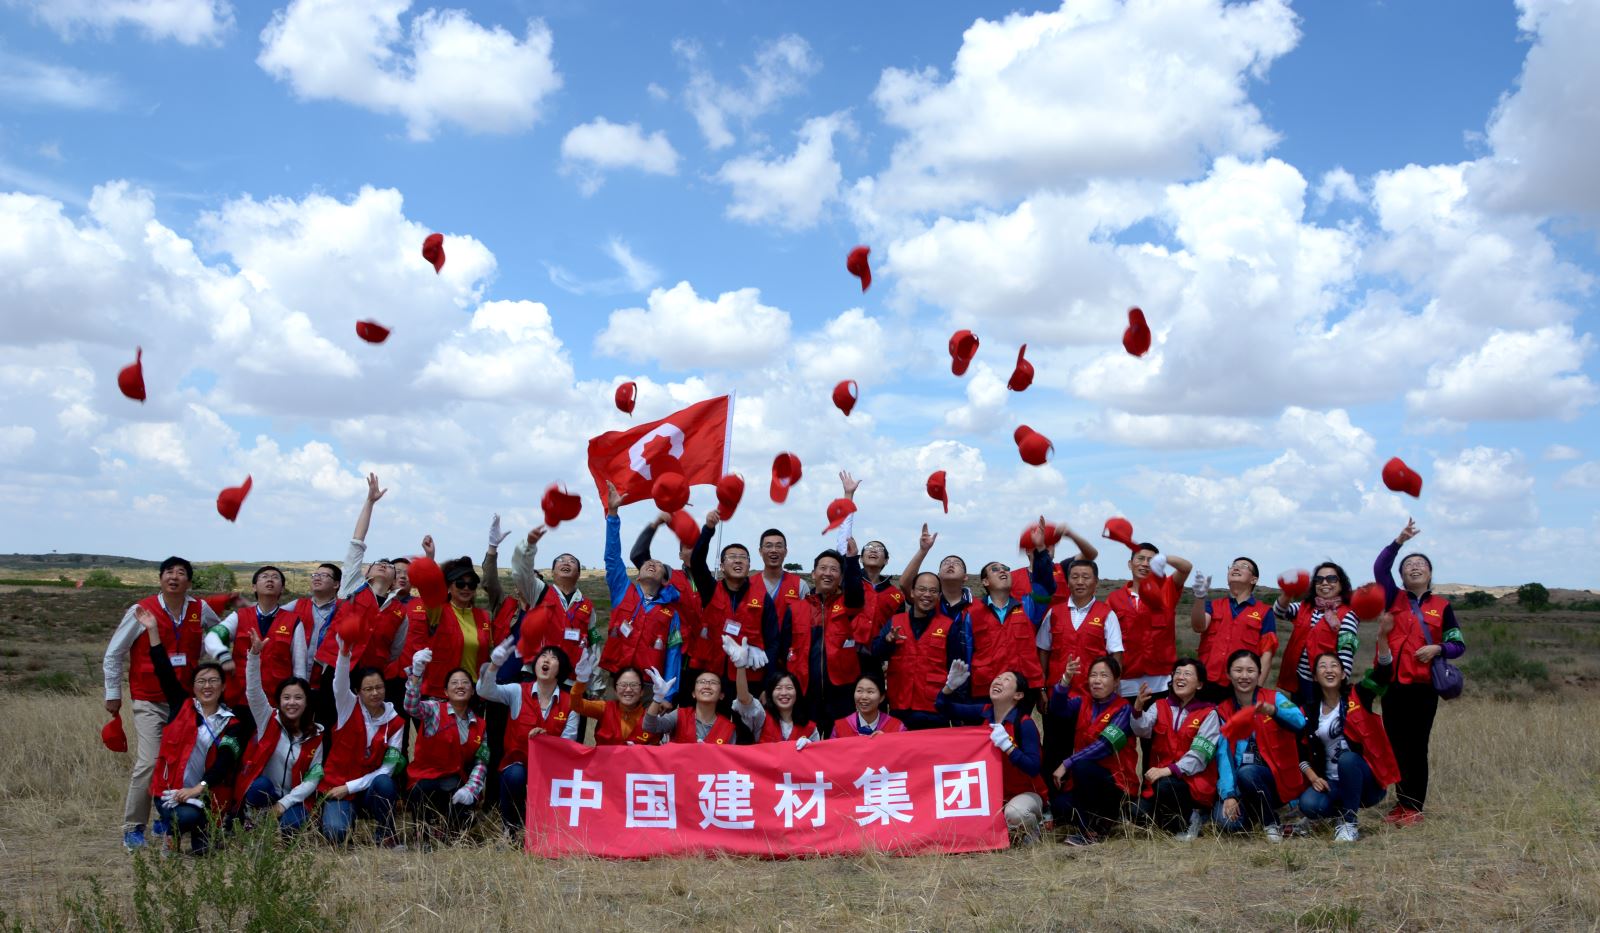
(961, 790)
(575, 795)
(651, 801)
(883, 797)
(793, 806)
(725, 800)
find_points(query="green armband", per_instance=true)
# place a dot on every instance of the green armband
(1204, 748)
(1454, 635)
(1349, 642)
(221, 631)
(394, 756)
(314, 775)
(1116, 737)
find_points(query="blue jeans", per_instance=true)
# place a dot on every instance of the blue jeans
(1258, 800)
(195, 822)
(1355, 788)
(1092, 803)
(429, 801)
(377, 801)
(263, 794)
(514, 795)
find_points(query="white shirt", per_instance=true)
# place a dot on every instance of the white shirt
(1078, 616)
(128, 631)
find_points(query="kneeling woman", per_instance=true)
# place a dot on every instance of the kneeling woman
(1101, 774)
(450, 760)
(1346, 759)
(1014, 734)
(780, 719)
(200, 746)
(1180, 778)
(537, 708)
(700, 723)
(363, 754)
(869, 718)
(619, 721)
(1258, 770)
(285, 763)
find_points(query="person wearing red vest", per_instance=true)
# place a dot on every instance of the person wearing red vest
(1017, 737)
(561, 615)
(450, 760)
(1148, 626)
(782, 718)
(869, 718)
(1180, 778)
(1101, 774)
(1323, 623)
(457, 635)
(1005, 629)
(284, 653)
(619, 721)
(701, 723)
(643, 627)
(733, 606)
(182, 619)
(1346, 761)
(537, 708)
(1082, 627)
(678, 578)
(192, 782)
(284, 763)
(364, 751)
(343, 598)
(846, 615)
(1259, 771)
(1022, 578)
(1410, 702)
(1239, 622)
(917, 647)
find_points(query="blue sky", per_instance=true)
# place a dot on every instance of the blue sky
(1324, 197)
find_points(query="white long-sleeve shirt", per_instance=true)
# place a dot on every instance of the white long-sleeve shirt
(115, 663)
(216, 648)
(1192, 762)
(281, 765)
(511, 695)
(345, 704)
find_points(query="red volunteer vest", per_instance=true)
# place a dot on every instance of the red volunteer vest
(350, 755)
(1013, 780)
(1168, 744)
(851, 726)
(548, 625)
(918, 667)
(182, 640)
(636, 637)
(1366, 735)
(720, 617)
(1310, 641)
(261, 752)
(1084, 643)
(1149, 644)
(1123, 765)
(684, 732)
(999, 648)
(772, 732)
(177, 745)
(1276, 746)
(277, 654)
(528, 718)
(1228, 633)
(888, 602)
(383, 626)
(443, 753)
(446, 643)
(611, 730)
(364, 606)
(845, 632)
(1406, 636)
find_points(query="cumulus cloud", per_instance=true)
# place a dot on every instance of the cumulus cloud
(682, 331)
(1482, 487)
(780, 70)
(788, 191)
(1583, 476)
(27, 81)
(444, 68)
(1556, 452)
(1515, 376)
(594, 148)
(190, 22)
(509, 348)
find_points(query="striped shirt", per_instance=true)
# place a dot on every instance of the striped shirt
(1348, 639)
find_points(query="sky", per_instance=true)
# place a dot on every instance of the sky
(1358, 230)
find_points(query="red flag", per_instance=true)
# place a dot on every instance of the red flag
(696, 437)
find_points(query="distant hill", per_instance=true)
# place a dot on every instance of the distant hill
(57, 561)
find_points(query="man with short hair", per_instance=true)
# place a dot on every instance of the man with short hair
(284, 640)
(1236, 622)
(1149, 630)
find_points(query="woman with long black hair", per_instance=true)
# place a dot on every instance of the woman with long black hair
(1258, 767)
(1321, 622)
(450, 761)
(284, 765)
(1345, 755)
(782, 718)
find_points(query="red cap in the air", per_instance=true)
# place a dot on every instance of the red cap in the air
(433, 250)
(627, 394)
(963, 347)
(1022, 376)
(730, 489)
(845, 395)
(1136, 339)
(936, 489)
(131, 379)
(229, 500)
(785, 473)
(856, 262)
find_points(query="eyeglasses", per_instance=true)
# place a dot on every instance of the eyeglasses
(466, 584)
(208, 681)
(322, 575)
(1327, 578)
(999, 568)
(925, 590)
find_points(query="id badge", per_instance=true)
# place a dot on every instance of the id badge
(626, 630)
(848, 643)
(178, 660)
(572, 634)
(731, 627)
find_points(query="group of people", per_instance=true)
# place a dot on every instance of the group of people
(360, 699)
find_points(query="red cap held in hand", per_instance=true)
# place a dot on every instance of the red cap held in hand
(1152, 592)
(785, 473)
(372, 331)
(433, 251)
(730, 489)
(1295, 584)
(426, 576)
(131, 379)
(845, 395)
(1052, 534)
(222, 603)
(963, 347)
(112, 736)
(1240, 724)
(1136, 339)
(670, 492)
(627, 394)
(229, 500)
(1368, 602)
(1401, 478)
(838, 511)
(1022, 376)
(1120, 530)
(936, 489)
(685, 527)
(856, 262)
(1034, 447)
(559, 506)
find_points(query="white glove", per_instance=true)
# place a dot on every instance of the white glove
(587, 662)
(339, 643)
(754, 657)
(1159, 566)
(463, 797)
(802, 742)
(495, 536)
(502, 652)
(959, 672)
(420, 661)
(663, 688)
(1202, 586)
(169, 797)
(738, 654)
(997, 735)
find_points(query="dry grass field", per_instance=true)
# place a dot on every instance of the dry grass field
(1512, 839)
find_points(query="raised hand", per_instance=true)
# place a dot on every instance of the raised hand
(712, 518)
(1411, 531)
(850, 549)
(959, 672)
(495, 534)
(255, 640)
(850, 484)
(536, 534)
(925, 541)
(1144, 699)
(613, 498)
(427, 546)
(373, 492)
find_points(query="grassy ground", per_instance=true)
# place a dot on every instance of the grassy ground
(1512, 840)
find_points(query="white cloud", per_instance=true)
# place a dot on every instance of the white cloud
(1175, 433)
(986, 401)
(1561, 452)
(780, 70)
(190, 22)
(445, 68)
(1481, 487)
(789, 191)
(1520, 375)
(852, 345)
(26, 81)
(594, 148)
(636, 274)
(1583, 476)
(1338, 185)
(509, 348)
(682, 331)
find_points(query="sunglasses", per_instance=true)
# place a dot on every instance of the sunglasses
(1327, 578)
(466, 584)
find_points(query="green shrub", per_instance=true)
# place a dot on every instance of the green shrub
(214, 578)
(1477, 599)
(795, 567)
(1533, 597)
(102, 578)
(1505, 665)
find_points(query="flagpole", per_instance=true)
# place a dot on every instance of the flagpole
(727, 458)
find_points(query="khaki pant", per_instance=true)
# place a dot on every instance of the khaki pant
(1023, 813)
(148, 721)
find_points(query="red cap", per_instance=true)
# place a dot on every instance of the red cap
(1401, 478)
(936, 489)
(1295, 583)
(685, 527)
(627, 394)
(1136, 339)
(1120, 530)
(113, 737)
(559, 506)
(229, 500)
(221, 603)
(730, 489)
(372, 331)
(856, 262)
(1022, 376)
(433, 250)
(845, 395)
(963, 347)
(1052, 534)
(1152, 593)
(785, 473)
(348, 627)
(426, 576)
(131, 379)
(1034, 447)
(1240, 724)
(670, 491)
(1368, 602)
(838, 511)
(1021, 432)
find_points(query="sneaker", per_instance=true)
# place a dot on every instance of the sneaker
(1078, 840)
(1274, 832)
(159, 827)
(1193, 831)
(1346, 832)
(133, 839)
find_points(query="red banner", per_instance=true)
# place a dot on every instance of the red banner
(903, 793)
(696, 436)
